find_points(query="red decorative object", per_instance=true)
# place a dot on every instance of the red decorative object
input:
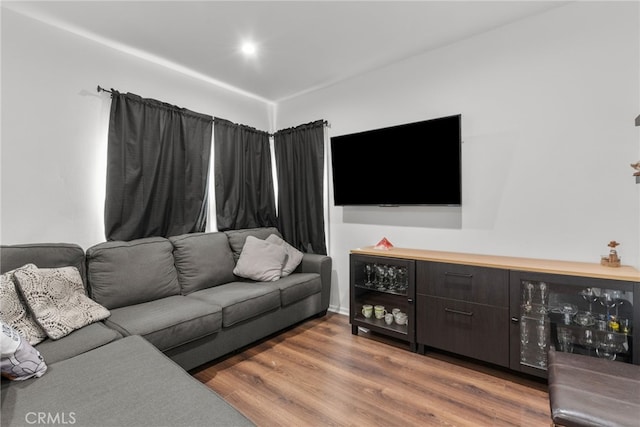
(383, 244)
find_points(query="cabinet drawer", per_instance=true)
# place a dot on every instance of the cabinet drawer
(463, 282)
(474, 330)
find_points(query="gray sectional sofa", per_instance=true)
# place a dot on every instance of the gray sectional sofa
(174, 305)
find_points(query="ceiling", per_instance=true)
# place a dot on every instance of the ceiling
(302, 45)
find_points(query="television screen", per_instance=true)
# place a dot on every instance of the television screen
(411, 164)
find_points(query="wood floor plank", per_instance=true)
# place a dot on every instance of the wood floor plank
(320, 374)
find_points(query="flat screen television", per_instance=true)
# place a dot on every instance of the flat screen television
(410, 164)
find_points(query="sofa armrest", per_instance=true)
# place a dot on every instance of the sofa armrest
(321, 264)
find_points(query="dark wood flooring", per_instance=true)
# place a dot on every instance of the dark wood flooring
(319, 374)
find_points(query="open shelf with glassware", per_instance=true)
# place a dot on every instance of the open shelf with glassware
(382, 295)
(588, 316)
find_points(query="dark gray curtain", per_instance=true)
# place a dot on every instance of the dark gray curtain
(299, 156)
(157, 169)
(243, 177)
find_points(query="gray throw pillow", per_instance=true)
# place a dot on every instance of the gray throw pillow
(57, 299)
(238, 237)
(14, 313)
(260, 260)
(294, 256)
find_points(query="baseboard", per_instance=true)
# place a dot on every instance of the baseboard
(339, 310)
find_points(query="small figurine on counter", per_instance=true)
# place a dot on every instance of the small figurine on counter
(383, 244)
(612, 260)
(636, 166)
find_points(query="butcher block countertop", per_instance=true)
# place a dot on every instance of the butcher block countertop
(571, 268)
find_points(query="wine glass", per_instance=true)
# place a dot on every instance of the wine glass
(367, 270)
(618, 297)
(392, 274)
(524, 338)
(528, 289)
(376, 278)
(402, 272)
(543, 298)
(608, 300)
(381, 272)
(590, 297)
(542, 344)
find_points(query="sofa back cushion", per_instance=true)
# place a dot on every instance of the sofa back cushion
(202, 260)
(126, 273)
(238, 237)
(43, 255)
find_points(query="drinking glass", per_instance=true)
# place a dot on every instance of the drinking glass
(565, 340)
(607, 348)
(587, 338)
(568, 310)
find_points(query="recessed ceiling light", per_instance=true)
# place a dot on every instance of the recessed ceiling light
(249, 48)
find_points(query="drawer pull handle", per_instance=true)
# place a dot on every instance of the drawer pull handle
(464, 313)
(465, 275)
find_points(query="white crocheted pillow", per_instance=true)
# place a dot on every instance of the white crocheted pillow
(57, 299)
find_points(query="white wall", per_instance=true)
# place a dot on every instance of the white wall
(548, 105)
(54, 125)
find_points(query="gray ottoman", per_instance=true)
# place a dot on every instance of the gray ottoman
(125, 383)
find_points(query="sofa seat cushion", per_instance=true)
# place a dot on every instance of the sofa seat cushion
(241, 301)
(298, 286)
(128, 273)
(202, 260)
(168, 322)
(125, 383)
(77, 342)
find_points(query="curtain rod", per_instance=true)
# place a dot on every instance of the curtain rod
(101, 89)
(324, 123)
